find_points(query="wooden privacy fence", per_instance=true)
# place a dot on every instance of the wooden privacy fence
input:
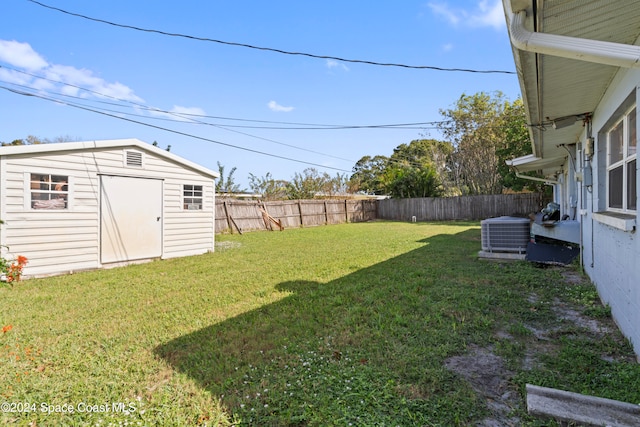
(242, 215)
(460, 208)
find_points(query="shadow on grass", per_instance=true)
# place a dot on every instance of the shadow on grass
(367, 348)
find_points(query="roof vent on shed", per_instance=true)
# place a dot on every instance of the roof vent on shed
(133, 159)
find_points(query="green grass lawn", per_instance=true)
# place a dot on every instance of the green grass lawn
(353, 324)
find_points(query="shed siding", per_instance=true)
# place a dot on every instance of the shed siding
(57, 241)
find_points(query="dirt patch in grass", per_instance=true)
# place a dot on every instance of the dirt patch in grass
(488, 373)
(223, 246)
(569, 314)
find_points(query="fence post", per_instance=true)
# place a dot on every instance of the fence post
(301, 215)
(346, 211)
(326, 213)
(226, 212)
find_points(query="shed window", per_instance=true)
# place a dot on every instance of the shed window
(621, 164)
(192, 197)
(49, 191)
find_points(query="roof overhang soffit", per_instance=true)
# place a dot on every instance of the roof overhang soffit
(534, 51)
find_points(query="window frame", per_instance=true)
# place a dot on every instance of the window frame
(622, 160)
(48, 188)
(190, 197)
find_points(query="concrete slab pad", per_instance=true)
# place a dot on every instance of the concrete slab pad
(499, 256)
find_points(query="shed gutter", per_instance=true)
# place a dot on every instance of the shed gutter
(601, 52)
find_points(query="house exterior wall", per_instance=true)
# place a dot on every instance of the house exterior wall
(59, 241)
(611, 255)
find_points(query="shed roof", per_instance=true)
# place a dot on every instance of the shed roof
(584, 45)
(11, 150)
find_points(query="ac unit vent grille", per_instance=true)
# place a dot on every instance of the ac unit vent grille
(134, 159)
(505, 234)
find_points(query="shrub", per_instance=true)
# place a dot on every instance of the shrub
(11, 270)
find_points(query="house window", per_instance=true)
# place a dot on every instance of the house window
(621, 164)
(192, 197)
(49, 191)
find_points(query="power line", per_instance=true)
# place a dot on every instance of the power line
(399, 159)
(293, 125)
(190, 121)
(156, 110)
(107, 112)
(269, 49)
(171, 130)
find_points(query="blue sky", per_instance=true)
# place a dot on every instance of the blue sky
(155, 79)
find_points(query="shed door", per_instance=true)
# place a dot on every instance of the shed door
(131, 218)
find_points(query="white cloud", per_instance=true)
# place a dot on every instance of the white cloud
(71, 79)
(179, 112)
(446, 12)
(177, 109)
(86, 79)
(332, 63)
(274, 106)
(487, 13)
(14, 77)
(491, 14)
(21, 55)
(448, 47)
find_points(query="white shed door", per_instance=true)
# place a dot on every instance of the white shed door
(131, 218)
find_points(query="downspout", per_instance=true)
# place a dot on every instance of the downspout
(601, 52)
(535, 178)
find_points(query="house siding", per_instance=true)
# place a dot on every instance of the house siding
(611, 256)
(59, 241)
(613, 267)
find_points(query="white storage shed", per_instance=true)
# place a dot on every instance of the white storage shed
(87, 205)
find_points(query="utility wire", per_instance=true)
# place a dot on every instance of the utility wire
(118, 115)
(269, 49)
(298, 126)
(398, 159)
(170, 130)
(180, 120)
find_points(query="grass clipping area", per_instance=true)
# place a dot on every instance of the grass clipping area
(379, 323)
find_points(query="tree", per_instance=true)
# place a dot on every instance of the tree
(227, 185)
(412, 181)
(338, 184)
(367, 175)
(486, 131)
(14, 142)
(475, 128)
(427, 155)
(517, 144)
(32, 140)
(269, 188)
(306, 185)
(481, 131)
